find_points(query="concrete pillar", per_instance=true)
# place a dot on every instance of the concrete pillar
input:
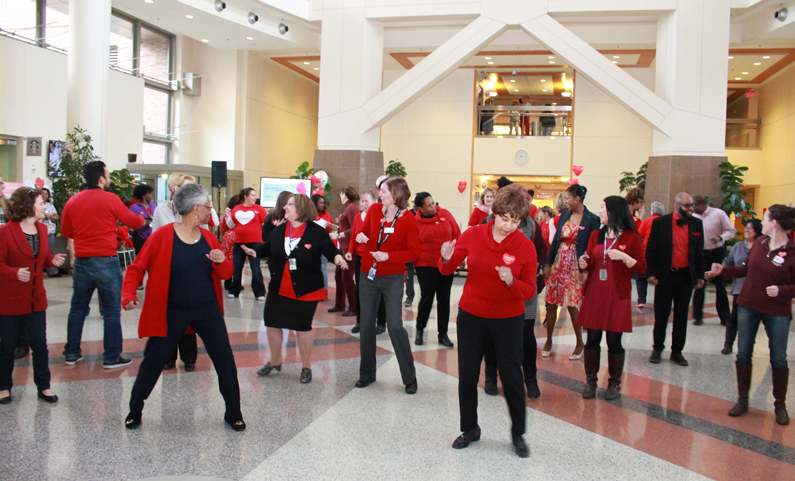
(87, 69)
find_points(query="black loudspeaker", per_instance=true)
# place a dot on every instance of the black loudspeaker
(219, 173)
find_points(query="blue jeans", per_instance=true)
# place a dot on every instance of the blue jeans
(643, 287)
(777, 328)
(104, 275)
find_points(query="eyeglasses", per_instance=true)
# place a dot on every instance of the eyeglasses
(207, 206)
(686, 206)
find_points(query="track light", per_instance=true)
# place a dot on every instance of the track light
(220, 6)
(252, 18)
(781, 15)
(283, 28)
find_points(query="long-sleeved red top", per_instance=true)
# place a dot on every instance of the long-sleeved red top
(645, 228)
(477, 216)
(19, 297)
(760, 271)
(434, 232)
(403, 245)
(345, 223)
(90, 218)
(354, 247)
(629, 243)
(485, 295)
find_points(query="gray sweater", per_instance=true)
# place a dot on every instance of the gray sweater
(736, 257)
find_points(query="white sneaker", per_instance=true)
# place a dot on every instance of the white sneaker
(231, 296)
(261, 298)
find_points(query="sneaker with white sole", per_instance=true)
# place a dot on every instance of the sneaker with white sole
(231, 296)
(261, 298)
(71, 362)
(120, 362)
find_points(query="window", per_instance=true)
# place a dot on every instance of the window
(122, 53)
(56, 19)
(156, 111)
(155, 153)
(18, 19)
(155, 55)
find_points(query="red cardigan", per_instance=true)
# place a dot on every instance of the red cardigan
(21, 298)
(630, 243)
(434, 232)
(155, 257)
(403, 245)
(354, 247)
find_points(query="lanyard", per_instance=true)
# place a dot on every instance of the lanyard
(604, 254)
(381, 232)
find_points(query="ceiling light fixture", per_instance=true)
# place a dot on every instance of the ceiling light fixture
(491, 63)
(488, 58)
(731, 58)
(512, 80)
(188, 16)
(554, 103)
(149, 1)
(317, 68)
(249, 38)
(551, 56)
(757, 63)
(745, 73)
(737, 78)
(566, 94)
(543, 80)
(544, 90)
(616, 56)
(766, 56)
(515, 90)
(205, 40)
(551, 61)
(614, 61)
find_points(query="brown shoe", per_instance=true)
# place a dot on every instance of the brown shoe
(615, 366)
(780, 381)
(591, 360)
(743, 386)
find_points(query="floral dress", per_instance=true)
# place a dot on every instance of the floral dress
(565, 285)
(228, 242)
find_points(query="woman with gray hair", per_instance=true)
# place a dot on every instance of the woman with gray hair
(186, 266)
(644, 229)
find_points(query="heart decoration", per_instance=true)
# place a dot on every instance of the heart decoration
(319, 192)
(313, 179)
(574, 181)
(782, 254)
(622, 247)
(308, 246)
(244, 216)
(508, 259)
(39, 182)
(462, 186)
(577, 169)
(301, 188)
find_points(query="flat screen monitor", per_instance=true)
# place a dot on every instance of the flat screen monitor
(56, 148)
(271, 187)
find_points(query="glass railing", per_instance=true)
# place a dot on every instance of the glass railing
(523, 121)
(742, 133)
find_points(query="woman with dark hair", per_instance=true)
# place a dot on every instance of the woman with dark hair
(564, 283)
(766, 296)
(547, 214)
(502, 275)
(296, 286)
(50, 218)
(635, 198)
(436, 226)
(23, 257)
(615, 252)
(392, 241)
(323, 220)
(247, 219)
(736, 257)
(186, 266)
(146, 209)
(276, 215)
(228, 234)
(344, 277)
(483, 209)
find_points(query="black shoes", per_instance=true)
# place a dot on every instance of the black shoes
(306, 375)
(445, 341)
(120, 362)
(533, 392)
(21, 351)
(236, 424)
(464, 439)
(50, 399)
(520, 447)
(132, 421)
(5, 400)
(698, 322)
(72, 362)
(408, 302)
(349, 314)
(411, 388)
(727, 349)
(361, 383)
(190, 367)
(380, 329)
(418, 338)
(356, 328)
(656, 357)
(491, 386)
(335, 309)
(267, 368)
(678, 358)
(168, 365)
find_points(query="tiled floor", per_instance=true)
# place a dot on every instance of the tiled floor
(669, 423)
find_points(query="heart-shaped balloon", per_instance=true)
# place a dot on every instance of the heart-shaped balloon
(301, 189)
(39, 182)
(574, 181)
(313, 179)
(577, 169)
(319, 192)
(462, 186)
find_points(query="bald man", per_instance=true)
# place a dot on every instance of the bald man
(675, 265)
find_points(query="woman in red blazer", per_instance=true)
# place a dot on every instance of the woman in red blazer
(186, 266)
(24, 253)
(614, 253)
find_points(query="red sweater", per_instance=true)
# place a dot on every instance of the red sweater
(248, 223)
(155, 257)
(629, 243)
(477, 217)
(345, 223)
(485, 295)
(19, 298)
(403, 246)
(354, 247)
(645, 228)
(434, 232)
(91, 217)
(760, 272)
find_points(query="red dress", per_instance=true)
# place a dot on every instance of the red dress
(228, 240)
(601, 307)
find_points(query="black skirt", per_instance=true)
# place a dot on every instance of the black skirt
(285, 313)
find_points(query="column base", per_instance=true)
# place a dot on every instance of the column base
(357, 168)
(668, 175)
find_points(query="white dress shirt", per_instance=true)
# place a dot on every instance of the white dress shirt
(716, 225)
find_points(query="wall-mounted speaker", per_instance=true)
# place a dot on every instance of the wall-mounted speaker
(219, 173)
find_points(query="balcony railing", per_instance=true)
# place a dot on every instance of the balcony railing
(742, 133)
(523, 121)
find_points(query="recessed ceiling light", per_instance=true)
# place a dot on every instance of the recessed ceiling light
(317, 68)
(616, 56)
(737, 78)
(249, 38)
(306, 63)
(515, 90)
(205, 40)
(512, 80)
(766, 56)
(731, 58)
(551, 61)
(491, 63)
(757, 63)
(745, 73)
(615, 61)
(488, 58)
(566, 94)
(544, 90)
(149, 1)
(188, 16)
(554, 103)
(543, 80)
(551, 56)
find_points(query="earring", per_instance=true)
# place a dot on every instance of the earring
(196, 216)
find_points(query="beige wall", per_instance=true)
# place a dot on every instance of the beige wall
(547, 156)
(125, 117)
(280, 120)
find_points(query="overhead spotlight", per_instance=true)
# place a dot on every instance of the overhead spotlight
(781, 15)
(283, 28)
(252, 18)
(220, 6)
(565, 94)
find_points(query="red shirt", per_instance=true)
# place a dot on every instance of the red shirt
(533, 210)
(477, 217)
(545, 232)
(645, 228)
(326, 217)
(638, 222)
(354, 247)
(680, 257)
(403, 245)
(434, 232)
(91, 217)
(286, 286)
(248, 223)
(485, 295)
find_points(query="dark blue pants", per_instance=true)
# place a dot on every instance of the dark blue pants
(36, 326)
(239, 258)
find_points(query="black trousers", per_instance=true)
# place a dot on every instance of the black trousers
(188, 349)
(731, 324)
(357, 274)
(529, 346)
(506, 335)
(209, 325)
(239, 260)
(676, 289)
(613, 341)
(433, 283)
(36, 326)
(22, 337)
(138, 242)
(721, 298)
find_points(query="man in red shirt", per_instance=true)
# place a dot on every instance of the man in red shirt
(674, 264)
(89, 220)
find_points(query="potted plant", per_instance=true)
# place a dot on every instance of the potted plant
(395, 168)
(122, 183)
(629, 180)
(731, 183)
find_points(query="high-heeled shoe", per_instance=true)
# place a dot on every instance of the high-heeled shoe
(576, 357)
(236, 424)
(267, 368)
(5, 400)
(545, 353)
(132, 421)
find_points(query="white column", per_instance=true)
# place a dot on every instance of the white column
(87, 69)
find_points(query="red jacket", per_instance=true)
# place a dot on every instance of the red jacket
(91, 219)
(21, 298)
(434, 232)
(630, 243)
(155, 257)
(403, 245)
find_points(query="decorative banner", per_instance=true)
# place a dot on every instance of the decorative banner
(577, 169)
(301, 188)
(462, 186)
(39, 182)
(319, 192)
(574, 181)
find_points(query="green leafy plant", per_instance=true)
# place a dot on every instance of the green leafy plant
(731, 183)
(629, 180)
(68, 177)
(122, 183)
(395, 168)
(303, 172)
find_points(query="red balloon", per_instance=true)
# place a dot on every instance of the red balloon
(574, 181)
(319, 192)
(39, 182)
(462, 186)
(577, 169)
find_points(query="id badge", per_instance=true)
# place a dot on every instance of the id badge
(602, 274)
(389, 230)
(778, 261)
(371, 274)
(293, 264)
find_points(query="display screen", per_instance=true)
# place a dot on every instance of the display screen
(54, 158)
(271, 187)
